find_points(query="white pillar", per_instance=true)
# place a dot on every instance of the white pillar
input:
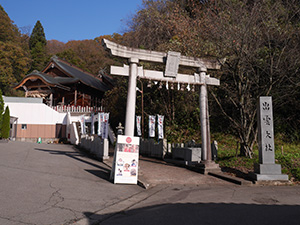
(51, 99)
(131, 98)
(105, 149)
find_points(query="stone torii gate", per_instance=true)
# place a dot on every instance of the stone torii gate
(172, 60)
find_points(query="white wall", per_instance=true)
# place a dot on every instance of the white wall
(35, 113)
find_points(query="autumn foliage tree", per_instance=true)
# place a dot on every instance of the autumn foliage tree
(14, 55)
(86, 54)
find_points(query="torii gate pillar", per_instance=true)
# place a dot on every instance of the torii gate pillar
(204, 117)
(131, 97)
(207, 164)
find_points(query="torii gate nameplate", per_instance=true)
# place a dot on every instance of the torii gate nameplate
(172, 64)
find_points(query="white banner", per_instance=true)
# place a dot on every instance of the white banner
(138, 125)
(105, 125)
(160, 126)
(82, 124)
(126, 160)
(99, 124)
(151, 126)
(92, 123)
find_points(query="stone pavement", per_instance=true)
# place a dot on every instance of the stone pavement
(154, 172)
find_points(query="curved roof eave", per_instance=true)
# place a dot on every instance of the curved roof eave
(44, 78)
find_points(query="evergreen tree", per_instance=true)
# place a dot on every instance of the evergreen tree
(37, 35)
(5, 123)
(37, 46)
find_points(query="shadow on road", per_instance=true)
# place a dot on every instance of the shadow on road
(202, 213)
(103, 173)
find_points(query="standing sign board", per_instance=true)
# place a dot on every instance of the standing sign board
(126, 160)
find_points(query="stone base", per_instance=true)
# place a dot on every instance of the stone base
(105, 157)
(267, 169)
(206, 167)
(267, 177)
(268, 172)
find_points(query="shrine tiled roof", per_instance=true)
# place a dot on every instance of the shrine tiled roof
(79, 74)
(52, 81)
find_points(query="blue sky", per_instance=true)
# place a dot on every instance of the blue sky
(65, 20)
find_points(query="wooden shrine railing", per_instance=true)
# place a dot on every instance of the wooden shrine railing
(76, 109)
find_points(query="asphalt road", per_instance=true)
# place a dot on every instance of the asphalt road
(56, 184)
(53, 184)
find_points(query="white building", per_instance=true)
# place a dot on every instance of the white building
(31, 119)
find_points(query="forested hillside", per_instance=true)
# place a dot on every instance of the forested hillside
(14, 53)
(259, 39)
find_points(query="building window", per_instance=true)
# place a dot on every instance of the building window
(24, 126)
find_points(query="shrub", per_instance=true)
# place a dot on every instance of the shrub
(6, 123)
(1, 111)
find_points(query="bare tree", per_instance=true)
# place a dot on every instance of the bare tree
(258, 40)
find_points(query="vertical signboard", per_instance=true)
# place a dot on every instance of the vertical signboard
(126, 160)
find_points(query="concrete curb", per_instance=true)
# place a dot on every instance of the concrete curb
(235, 180)
(4, 141)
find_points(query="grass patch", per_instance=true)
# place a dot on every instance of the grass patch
(286, 154)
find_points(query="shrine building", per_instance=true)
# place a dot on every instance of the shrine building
(63, 84)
